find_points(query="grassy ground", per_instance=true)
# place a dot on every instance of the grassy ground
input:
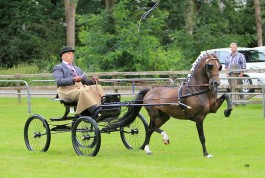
(237, 144)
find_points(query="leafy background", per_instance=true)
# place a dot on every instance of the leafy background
(33, 32)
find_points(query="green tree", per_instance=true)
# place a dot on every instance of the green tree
(133, 48)
(90, 7)
(25, 36)
(170, 37)
(216, 26)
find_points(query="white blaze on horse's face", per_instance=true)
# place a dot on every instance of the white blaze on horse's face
(212, 68)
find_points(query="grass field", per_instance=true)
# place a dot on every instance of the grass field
(237, 144)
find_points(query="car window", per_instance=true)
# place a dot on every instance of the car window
(252, 56)
(222, 55)
(255, 56)
(261, 56)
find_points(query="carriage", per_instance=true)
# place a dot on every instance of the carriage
(193, 100)
(86, 132)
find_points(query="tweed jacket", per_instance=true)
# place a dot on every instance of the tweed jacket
(64, 76)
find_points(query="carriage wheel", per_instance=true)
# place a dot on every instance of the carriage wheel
(86, 137)
(37, 134)
(134, 135)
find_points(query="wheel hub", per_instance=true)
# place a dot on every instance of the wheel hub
(134, 131)
(37, 134)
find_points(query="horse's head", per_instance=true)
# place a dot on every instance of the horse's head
(205, 69)
(212, 68)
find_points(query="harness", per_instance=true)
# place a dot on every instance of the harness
(180, 96)
(191, 93)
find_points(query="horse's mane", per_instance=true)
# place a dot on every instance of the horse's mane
(195, 63)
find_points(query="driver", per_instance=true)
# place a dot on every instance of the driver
(73, 84)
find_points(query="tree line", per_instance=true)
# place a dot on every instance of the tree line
(112, 35)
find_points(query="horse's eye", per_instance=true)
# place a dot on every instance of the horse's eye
(209, 66)
(220, 68)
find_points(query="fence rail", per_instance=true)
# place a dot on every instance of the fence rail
(171, 74)
(19, 91)
(127, 81)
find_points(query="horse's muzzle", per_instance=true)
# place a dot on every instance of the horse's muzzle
(214, 83)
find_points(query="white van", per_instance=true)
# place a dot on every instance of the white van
(262, 49)
(255, 59)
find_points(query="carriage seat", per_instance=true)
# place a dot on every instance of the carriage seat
(70, 106)
(107, 111)
(65, 101)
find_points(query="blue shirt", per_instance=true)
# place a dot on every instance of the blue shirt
(235, 60)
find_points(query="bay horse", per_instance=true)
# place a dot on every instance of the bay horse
(194, 99)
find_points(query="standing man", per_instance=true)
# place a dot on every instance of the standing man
(235, 60)
(73, 84)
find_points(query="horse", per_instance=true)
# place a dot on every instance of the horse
(194, 99)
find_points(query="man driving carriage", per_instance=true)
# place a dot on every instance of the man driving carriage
(74, 85)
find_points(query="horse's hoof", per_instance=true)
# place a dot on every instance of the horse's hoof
(147, 150)
(209, 156)
(166, 142)
(227, 112)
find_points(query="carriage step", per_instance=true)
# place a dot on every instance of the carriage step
(64, 118)
(106, 130)
(64, 127)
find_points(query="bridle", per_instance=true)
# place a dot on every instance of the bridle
(208, 68)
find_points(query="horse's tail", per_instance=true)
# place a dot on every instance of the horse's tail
(132, 112)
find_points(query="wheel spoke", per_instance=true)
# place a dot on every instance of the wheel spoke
(86, 137)
(37, 134)
(134, 135)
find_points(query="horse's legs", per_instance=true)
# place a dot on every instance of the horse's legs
(157, 119)
(227, 111)
(148, 136)
(199, 125)
(220, 101)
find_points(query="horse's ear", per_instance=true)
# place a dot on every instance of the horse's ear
(208, 54)
(215, 54)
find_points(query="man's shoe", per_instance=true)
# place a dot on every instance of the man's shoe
(91, 110)
(97, 114)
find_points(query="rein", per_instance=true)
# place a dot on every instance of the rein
(200, 85)
(192, 93)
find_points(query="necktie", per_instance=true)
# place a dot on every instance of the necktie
(72, 69)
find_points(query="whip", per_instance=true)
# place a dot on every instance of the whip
(139, 24)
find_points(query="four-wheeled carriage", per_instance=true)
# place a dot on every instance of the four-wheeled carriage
(86, 132)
